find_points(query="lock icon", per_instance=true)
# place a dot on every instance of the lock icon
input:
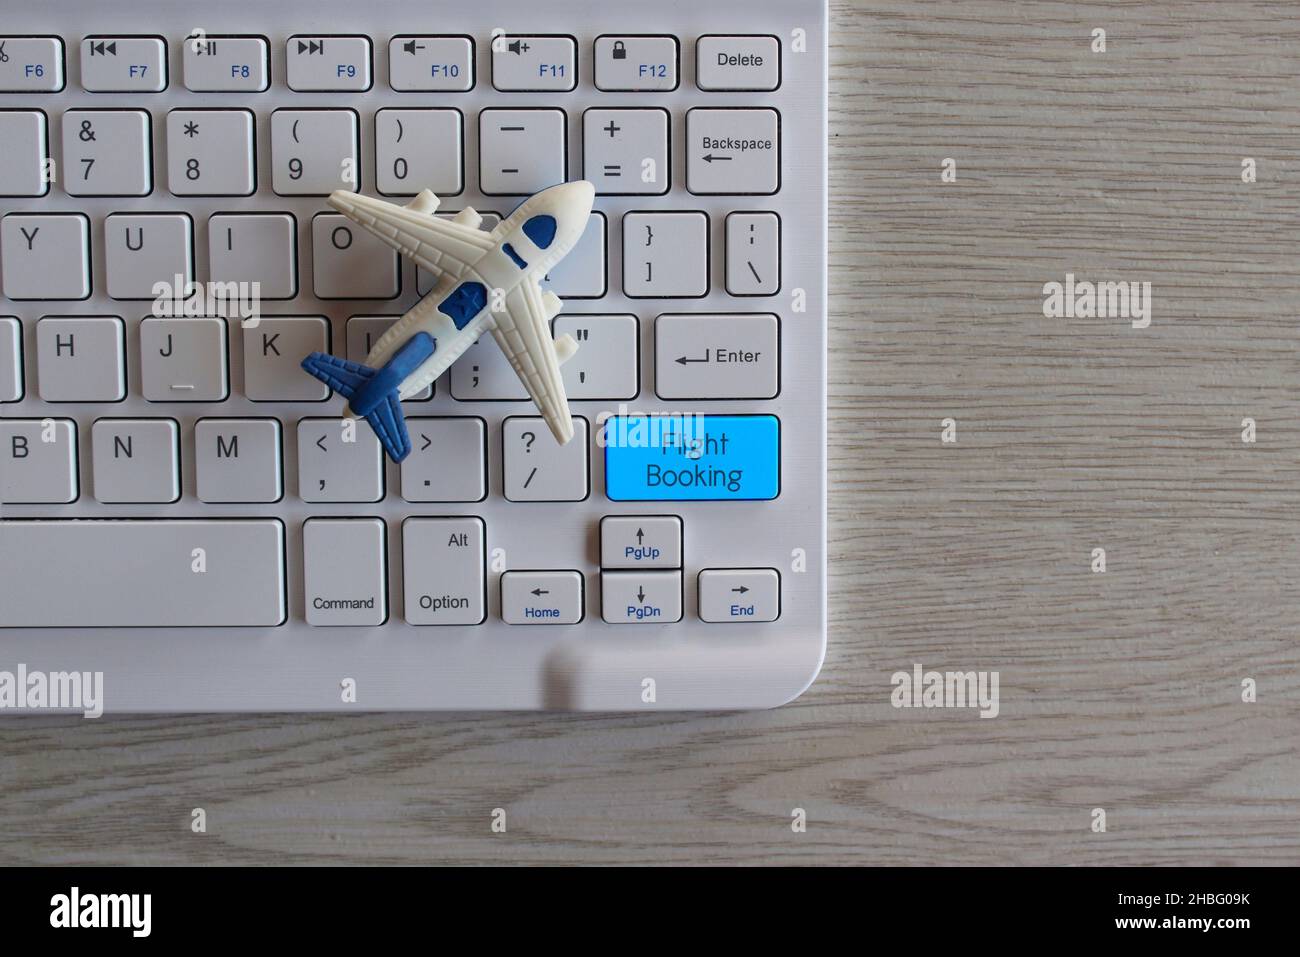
(620, 50)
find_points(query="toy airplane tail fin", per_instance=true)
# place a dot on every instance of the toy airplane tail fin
(383, 411)
(344, 377)
(389, 424)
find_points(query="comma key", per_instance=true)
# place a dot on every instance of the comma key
(339, 460)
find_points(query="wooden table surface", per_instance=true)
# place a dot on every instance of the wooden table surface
(1120, 691)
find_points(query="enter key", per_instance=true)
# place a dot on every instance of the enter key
(711, 356)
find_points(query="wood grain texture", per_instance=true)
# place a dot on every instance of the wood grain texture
(1119, 691)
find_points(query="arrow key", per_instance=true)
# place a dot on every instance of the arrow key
(641, 597)
(641, 541)
(542, 598)
(740, 594)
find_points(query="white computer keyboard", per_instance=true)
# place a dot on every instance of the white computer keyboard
(258, 559)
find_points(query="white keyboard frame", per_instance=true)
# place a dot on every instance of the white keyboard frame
(588, 666)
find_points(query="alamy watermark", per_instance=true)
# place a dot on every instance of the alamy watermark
(1083, 299)
(919, 688)
(82, 691)
(183, 298)
(75, 909)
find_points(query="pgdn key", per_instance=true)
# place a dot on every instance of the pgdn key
(641, 597)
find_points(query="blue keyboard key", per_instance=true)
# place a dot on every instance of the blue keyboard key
(677, 458)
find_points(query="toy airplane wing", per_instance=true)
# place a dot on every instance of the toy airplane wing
(444, 247)
(523, 332)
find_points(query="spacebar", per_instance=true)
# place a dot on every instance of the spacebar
(141, 573)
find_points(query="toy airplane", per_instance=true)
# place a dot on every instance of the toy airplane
(489, 282)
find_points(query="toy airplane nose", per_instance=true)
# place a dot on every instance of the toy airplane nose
(578, 192)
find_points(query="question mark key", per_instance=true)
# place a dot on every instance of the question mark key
(536, 468)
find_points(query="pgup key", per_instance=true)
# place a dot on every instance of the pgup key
(640, 541)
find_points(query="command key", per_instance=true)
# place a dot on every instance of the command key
(713, 458)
